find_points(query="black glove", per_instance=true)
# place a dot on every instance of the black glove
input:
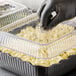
(65, 9)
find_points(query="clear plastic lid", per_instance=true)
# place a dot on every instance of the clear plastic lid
(11, 11)
(35, 49)
(7, 7)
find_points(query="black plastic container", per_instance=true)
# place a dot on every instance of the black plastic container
(22, 68)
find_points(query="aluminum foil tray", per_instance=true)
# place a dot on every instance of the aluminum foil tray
(24, 68)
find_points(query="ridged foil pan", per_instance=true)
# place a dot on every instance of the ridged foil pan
(24, 68)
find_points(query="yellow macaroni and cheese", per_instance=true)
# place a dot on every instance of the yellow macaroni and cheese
(41, 36)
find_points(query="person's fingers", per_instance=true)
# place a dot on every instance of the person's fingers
(56, 20)
(63, 13)
(45, 14)
(41, 8)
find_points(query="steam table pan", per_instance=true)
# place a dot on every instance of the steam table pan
(24, 68)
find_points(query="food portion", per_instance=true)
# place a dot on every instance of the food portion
(44, 37)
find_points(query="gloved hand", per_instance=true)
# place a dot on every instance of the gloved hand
(65, 9)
